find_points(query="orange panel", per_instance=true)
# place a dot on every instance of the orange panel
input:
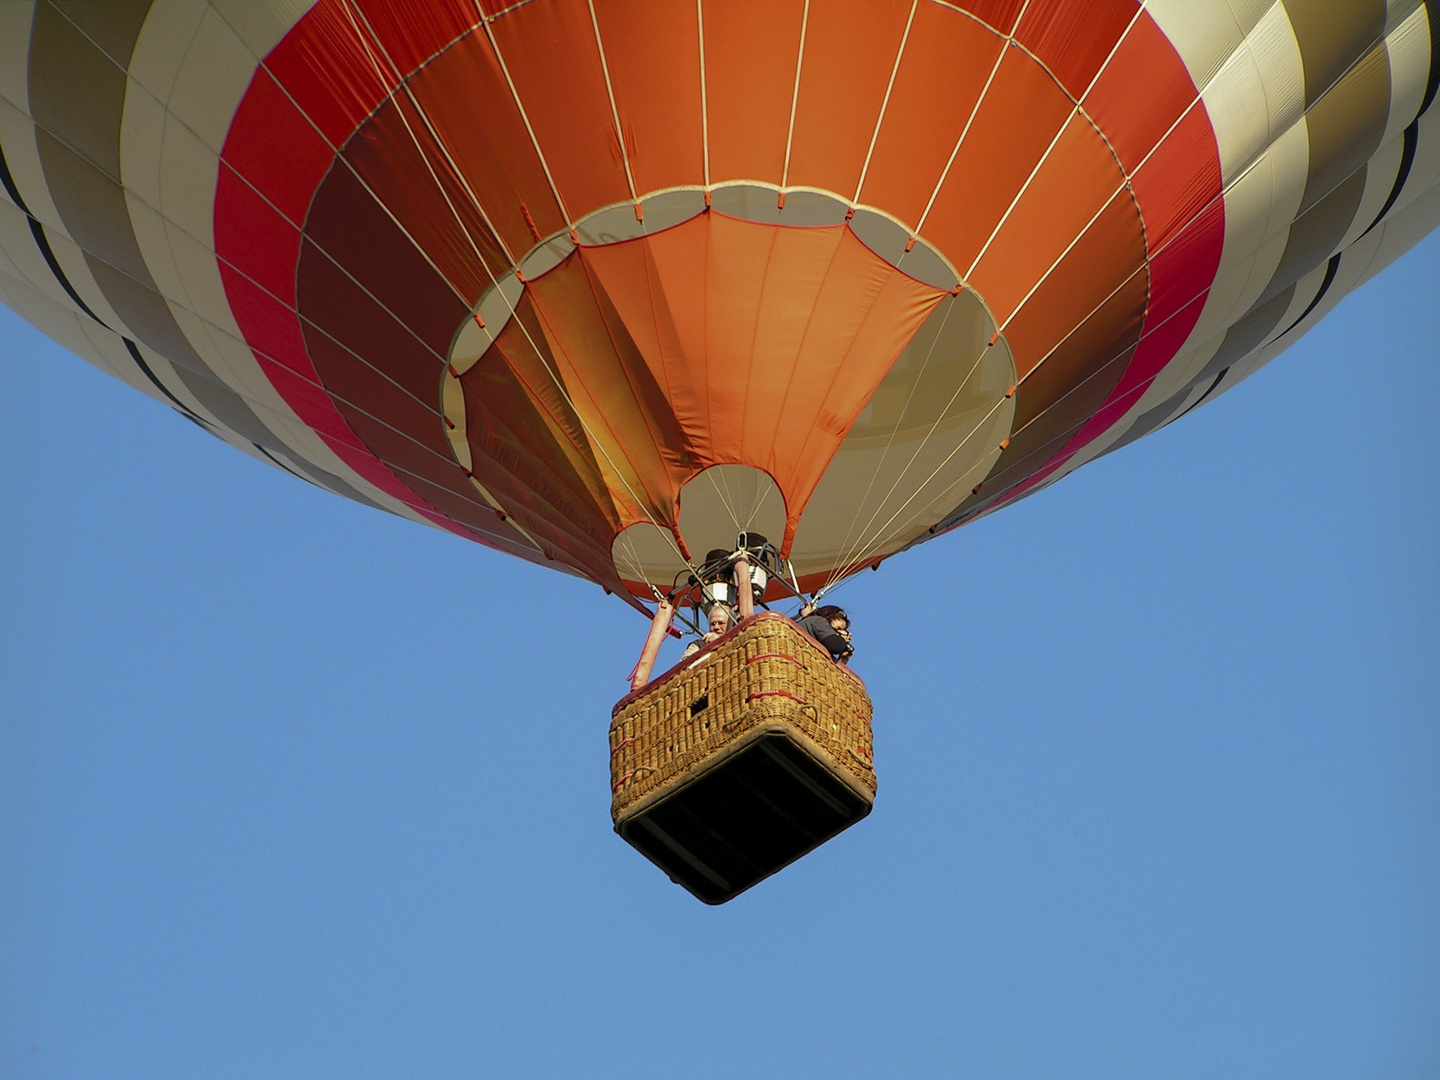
(1077, 179)
(850, 50)
(1015, 123)
(464, 94)
(772, 338)
(1182, 177)
(946, 63)
(1072, 39)
(1111, 252)
(1141, 93)
(654, 57)
(610, 384)
(562, 88)
(751, 47)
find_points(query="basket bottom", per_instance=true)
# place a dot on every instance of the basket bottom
(738, 819)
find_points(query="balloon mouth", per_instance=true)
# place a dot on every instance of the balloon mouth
(919, 365)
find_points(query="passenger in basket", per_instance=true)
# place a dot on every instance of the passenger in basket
(830, 626)
(719, 616)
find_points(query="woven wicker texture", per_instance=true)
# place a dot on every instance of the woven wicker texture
(765, 670)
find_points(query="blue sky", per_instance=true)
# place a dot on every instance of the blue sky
(291, 788)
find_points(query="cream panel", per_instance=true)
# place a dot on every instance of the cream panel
(20, 250)
(1248, 13)
(213, 78)
(1205, 33)
(187, 181)
(202, 289)
(726, 500)
(930, 432)
(15, 20)
(1235, 101)
(17, 133)
(1282, 69)
(63, 325)
(142, 135)
(260, 24)
(1408, 49)
(646, 552)
(150, 236)
(163, 41)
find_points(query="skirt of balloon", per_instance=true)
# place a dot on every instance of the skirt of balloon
(741, 758)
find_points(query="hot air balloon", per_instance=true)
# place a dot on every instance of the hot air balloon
(605, 284)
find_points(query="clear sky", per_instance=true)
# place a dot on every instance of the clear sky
(293, 789)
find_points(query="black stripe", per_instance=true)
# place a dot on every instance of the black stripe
(1330, 268)
(281, 464)
(47, 252)
(1201, 399)
(1407, 159)
(8, 182)
(134, 352)
(42, 242)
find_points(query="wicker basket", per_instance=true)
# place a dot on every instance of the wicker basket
(741, 758)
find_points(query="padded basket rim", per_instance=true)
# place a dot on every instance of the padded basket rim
(685, 663)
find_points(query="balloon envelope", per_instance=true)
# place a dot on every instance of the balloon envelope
(602, 284)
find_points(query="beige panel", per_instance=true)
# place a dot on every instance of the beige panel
(1281, 64)
(1346, 124)
(1332, 37)
(154, 245)
(163, 42)
(76, 92)
(261, 25)
(142, 132)
(646, 552)
(15, 52)
(1237, 93)
(726, 500)
(1248, 13)
(202, 290)
(1316, 234)
(187, 182)
(1408, 49)
(929, 434)
(213, 77)
(111, 25)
